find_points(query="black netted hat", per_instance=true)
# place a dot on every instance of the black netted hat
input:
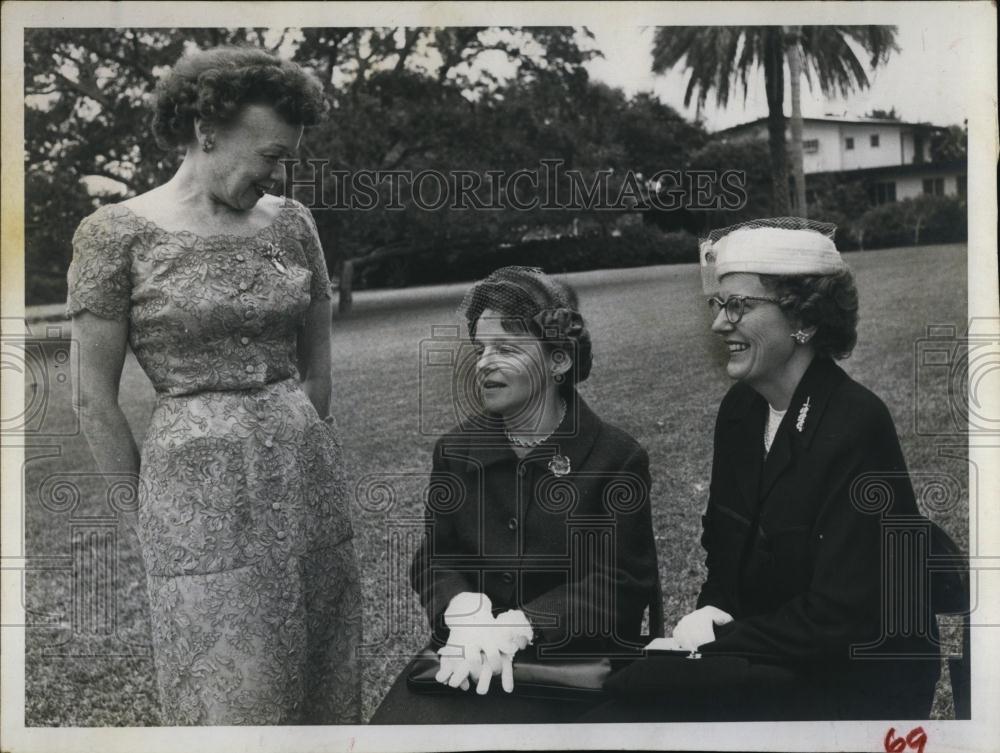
(532, 302)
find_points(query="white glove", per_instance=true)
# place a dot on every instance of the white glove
(515, 634)
(472, 639)
(698, 627)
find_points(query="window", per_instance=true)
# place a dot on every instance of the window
(849, 142)
(882, 193)
(810, 146)
(874, 140)
(934, 186)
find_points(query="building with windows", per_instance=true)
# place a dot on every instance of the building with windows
(890, 158)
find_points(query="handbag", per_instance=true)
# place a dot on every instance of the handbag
(534, 677)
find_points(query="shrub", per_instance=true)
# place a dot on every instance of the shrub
(924, 219)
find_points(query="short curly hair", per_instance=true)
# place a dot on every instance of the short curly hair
(828, 302)
(215, 84)
(531, 302)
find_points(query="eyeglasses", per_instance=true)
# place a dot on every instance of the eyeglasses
(735, 305)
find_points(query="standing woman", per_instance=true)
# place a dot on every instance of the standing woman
(221, 291)
(539, 537)
(802, 453)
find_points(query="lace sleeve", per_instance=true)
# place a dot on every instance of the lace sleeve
(99, 277)
(320, 285)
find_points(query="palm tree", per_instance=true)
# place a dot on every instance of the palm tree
(793, 49)
(717, 57)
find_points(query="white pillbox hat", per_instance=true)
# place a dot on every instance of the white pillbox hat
(770, 250)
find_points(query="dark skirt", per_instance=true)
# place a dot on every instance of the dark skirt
(864, 691)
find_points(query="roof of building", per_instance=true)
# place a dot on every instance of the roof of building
(851, 121)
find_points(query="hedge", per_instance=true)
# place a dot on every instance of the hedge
(635, 247)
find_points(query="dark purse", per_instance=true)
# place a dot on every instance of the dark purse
(665, 672)
(534, 677)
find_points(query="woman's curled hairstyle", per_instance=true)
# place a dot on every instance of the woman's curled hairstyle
(213, 85)
(828, 302)
(531, 302)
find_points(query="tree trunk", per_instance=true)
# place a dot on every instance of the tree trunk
(774, 82)
(346, 286)
(793, 38)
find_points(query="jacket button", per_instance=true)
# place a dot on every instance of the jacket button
(512, 524)
(508, 577)
(245, 340)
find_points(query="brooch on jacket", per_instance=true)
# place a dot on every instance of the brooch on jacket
(559, 465)
(803, 412)
(272, 253)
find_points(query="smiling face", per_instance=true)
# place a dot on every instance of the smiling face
(245, 161)
(513, 370)
(762, 352)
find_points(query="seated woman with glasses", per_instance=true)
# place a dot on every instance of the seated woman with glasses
(807, 468)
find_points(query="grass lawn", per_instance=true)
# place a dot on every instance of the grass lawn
(657, 373)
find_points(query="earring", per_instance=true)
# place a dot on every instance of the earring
(801, 337)
(207, 144)
(558, 378)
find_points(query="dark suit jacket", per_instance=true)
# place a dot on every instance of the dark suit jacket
(575, 551)
(794, 542)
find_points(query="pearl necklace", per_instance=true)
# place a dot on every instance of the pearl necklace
(518, 442)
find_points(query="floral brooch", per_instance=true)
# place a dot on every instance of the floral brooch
(273, 254)
(800, 423)
(559, 465)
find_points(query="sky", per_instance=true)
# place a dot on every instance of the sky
(927, 80)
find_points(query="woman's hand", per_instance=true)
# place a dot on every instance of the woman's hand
(472, 638)
(516, 634)
(479, 645)
(698, 627)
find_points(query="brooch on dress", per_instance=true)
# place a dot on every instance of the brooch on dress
(559, 465)
(803, 412)
(273, 254)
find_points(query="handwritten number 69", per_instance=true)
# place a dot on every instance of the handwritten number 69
(915, 740)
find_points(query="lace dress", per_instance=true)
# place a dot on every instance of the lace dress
(243, 516)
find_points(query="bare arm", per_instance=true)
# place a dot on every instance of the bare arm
(100, 347)
(314, 355)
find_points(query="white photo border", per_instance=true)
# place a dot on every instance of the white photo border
(973, 23)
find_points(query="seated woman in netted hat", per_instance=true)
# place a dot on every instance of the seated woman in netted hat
(539, 539)
(792, 532)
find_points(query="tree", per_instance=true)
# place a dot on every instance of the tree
(423, 99)
(793, 40)
(878, 114)
(717, 57)
(949, 144)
